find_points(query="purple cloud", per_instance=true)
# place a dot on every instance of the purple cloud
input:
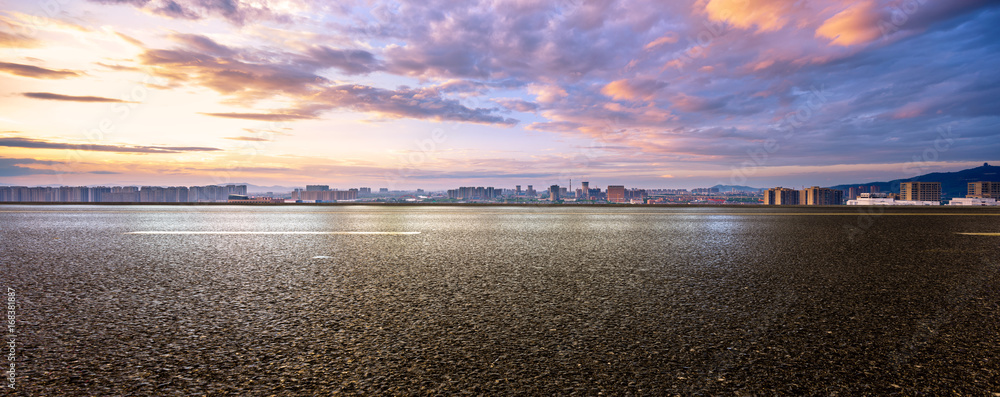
(700, 81)
(70, 98)
(43, 144)
(36, 72)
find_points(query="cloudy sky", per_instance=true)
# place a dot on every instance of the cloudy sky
(441, 93)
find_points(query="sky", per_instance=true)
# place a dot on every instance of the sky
(437, 94)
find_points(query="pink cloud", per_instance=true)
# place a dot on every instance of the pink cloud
(631, 90)
(858, 24)
(765, 15)
(669, 38)
(547, 93)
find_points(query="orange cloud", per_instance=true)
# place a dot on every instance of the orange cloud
(669, 38)
(675, 63)
(547, 93)
(631, 90)
(763, 64)
(855, 25)
(766, 15)
(619, 89)
(10, 40)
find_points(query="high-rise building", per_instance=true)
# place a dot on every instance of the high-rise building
(554, 193)
(531, 191)
(317, 188)
(781, 196)
(178, 194)
(148, 194)
(517, 190)
(207, 194)
(74, 194)
(585, 190)
(852, 193)
(475, 193)
(237, 189)
(174, 194)
(121, 194)
(983, 190)
(635, 194)
(821, 196)
(920, 191)
(383, 190)
(616, 194)
(97, 194)
(211, 193)
(325, 195)
(9, 193)
(124, 194)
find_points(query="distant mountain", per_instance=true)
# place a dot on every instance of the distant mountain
(729, 188)
(953, 184)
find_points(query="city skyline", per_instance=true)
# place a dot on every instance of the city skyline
(927, 193)
(985, 173)
(290, 189)
(438, 95)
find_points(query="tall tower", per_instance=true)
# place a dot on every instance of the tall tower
(616, 193)
(554, 193)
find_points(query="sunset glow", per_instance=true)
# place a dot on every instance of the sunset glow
(439, 94)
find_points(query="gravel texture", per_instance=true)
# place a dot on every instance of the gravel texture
(504, 300)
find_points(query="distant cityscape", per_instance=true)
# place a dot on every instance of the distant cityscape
(980, 193)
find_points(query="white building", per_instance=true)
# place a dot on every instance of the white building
(914, 202)
(884, 199)
(984, 202)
